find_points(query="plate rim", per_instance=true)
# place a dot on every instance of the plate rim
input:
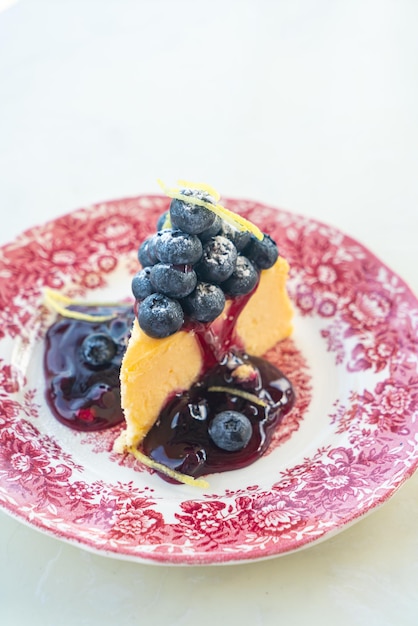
(31, 232)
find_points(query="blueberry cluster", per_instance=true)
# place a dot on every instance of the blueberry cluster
(191, 268)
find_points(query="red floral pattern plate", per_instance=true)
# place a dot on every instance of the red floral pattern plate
(350, 442)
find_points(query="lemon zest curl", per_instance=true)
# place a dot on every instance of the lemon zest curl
(235, 220)
(159, 467)
(240, 393)
(60, 303)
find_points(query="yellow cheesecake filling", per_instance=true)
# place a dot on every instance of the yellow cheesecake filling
(152, 371)
(267, 316)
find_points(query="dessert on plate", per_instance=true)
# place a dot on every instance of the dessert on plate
(184, 367)
(211, 299)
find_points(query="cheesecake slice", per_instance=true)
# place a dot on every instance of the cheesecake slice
(211, 299)
(154, 370)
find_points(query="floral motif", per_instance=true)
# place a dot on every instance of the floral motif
(8, 379)
(392, 407)
(370, 307)
(365, 317)
(333, 483)
(272, 514)
(26, 468)
(208, 523)
(134, 520)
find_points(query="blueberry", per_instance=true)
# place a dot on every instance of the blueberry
(212, 230)
(177, 247)
(205, 303)
(176, 282)
(146, 254)
(242, 280)
(262, 253)
(160, 316)
(218, 260)
(141, 284)
(240, 238)
(98, 350)
(230, 430)
(189, 217)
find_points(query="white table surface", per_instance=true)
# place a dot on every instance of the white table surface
(308, 105)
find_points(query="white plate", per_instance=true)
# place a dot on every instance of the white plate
(347, 446)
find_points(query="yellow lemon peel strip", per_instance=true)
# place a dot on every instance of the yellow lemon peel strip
(159, 467)
(167, 222)
(241, 394)
(60, 303)
(237, 221)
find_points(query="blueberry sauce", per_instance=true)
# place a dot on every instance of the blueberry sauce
(180, 438)
(86, 396)
(83, 396)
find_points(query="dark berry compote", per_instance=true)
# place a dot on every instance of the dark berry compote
(225, 421)
(82, 366)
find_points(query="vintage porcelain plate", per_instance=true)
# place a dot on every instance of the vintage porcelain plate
(348, 445)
